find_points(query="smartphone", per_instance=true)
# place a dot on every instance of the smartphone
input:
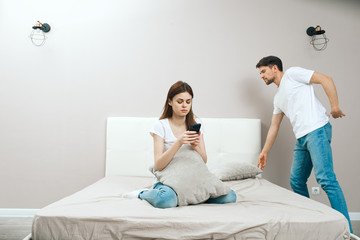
(195, 127)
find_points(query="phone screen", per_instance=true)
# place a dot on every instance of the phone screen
(195, 127)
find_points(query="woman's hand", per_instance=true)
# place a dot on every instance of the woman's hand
(195, 143)
(190, 137)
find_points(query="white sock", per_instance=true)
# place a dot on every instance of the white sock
(133, 194)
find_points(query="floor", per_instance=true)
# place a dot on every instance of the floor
(17, 228)
(356, 227)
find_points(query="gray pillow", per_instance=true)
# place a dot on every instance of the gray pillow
(233, 170)
(190, 178)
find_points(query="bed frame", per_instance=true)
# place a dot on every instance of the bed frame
(123, 142)
(129, 152)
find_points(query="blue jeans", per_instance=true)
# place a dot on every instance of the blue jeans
(163, 196)
(314, 150)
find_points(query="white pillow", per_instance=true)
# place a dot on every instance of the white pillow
(190, 178)
(233, 170)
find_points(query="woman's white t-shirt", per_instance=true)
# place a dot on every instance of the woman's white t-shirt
(162, 129)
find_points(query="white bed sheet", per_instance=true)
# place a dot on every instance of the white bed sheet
(263, 211)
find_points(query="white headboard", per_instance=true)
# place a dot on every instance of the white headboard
(129, 145)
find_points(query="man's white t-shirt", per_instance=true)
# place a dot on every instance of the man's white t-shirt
(296, 99)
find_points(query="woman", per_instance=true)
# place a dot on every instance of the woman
(170, 132)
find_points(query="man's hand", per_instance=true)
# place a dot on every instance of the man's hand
(337, 113)
(262, 160)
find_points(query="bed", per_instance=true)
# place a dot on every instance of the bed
(263, 210)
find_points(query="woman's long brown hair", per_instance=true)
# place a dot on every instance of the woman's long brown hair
(176, 88)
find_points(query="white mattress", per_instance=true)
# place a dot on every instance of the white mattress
(263, 211)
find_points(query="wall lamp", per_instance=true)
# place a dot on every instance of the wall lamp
(318, 38)
(37, 36)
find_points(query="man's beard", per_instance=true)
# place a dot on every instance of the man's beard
(270, 81)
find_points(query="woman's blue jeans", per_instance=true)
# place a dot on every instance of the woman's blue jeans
(314, 151)
(163, 196)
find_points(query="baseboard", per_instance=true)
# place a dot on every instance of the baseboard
(24, 212)
(17, 212)
(354, 216)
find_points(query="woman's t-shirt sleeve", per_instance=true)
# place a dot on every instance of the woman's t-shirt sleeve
(158, 129)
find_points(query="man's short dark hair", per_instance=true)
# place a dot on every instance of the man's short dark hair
(270, 61)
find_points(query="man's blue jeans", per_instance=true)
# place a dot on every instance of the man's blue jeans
(163, 196)
(314, 150)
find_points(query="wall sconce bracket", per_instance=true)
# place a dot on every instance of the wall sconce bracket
(318, 38)
(43, 27)
(37, 35)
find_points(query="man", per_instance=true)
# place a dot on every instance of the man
(296, 99)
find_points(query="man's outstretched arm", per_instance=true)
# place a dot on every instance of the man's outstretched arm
(270, 139)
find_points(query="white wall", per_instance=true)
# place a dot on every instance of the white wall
(118, 58)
